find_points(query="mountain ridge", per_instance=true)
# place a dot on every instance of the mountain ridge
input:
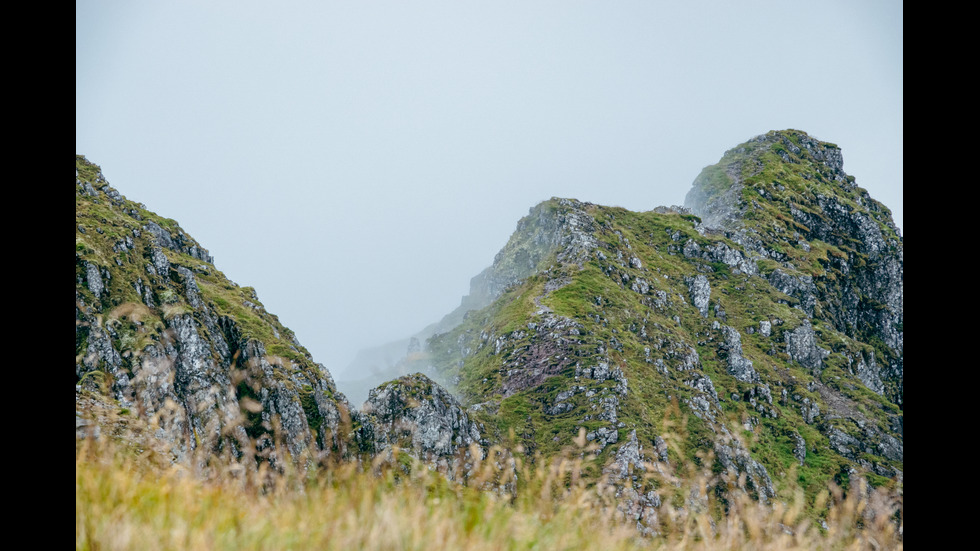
(761, 324)
(753, 328)
(162, 332)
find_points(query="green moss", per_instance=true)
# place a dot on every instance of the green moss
(313, 417)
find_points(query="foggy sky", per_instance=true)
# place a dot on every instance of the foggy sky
(358, 162)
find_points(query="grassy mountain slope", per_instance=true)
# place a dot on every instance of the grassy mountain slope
(687, 361)
(766, 334)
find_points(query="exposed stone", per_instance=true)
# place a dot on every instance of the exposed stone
(160, 262)
(870, 374)
(603, 437)
(736, 461)
(800, 287)
(94, 280)
(700, 291)
(799, 448)
(739, 366)
(418, 415)
(204, 386)
(190, 287)
(801, 345)
(809, 410)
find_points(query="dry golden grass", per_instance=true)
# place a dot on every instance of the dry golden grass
(131, 497)
(135, 311)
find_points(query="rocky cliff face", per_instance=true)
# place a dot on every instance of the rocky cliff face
(418, 416)
(763, 322)
(164, 336)
(756, 332)
(785, 198)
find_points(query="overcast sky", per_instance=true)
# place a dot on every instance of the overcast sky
(358, 162)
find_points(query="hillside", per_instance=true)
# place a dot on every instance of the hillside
(755, 334)
(762, 324)
(162, 335)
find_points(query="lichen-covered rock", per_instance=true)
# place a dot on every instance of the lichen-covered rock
(869, 374)
(418, 415)
(739, 366)
(799, 448)
(700, 291)
(635, 500)
(746, 472)
(801, 345)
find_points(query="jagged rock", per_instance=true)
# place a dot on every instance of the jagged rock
(94, 279)
(737, 283)
(800, 287)
(154, 334)
(738, 365)
(700, 291)
(560, 225)
(603, 437)
(634, 499)
(801, 345)
(809, 410)
(870, 374)
(704, 402)
(737, 461)
(416, 414)
(799, 448)
(858, 287)
(160, 265)
(843, 443)
(193, 295)
(715, 196)
(628, 458)
(891, 447)
(592, 317)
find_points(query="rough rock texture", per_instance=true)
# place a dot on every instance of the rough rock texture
(801, 345)
(738, 365)
(759, 333)
(759, 314)
(635, 500)
(418, 416)
(700, 291)
(840, 255)
(166, 336)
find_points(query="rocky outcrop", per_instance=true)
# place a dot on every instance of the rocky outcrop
(635, 499)
(560, 227)
(841, 255)
(417, 415)
(700, 291)
(741, 312)
(164, 334)
(801, 346)
(738, 365)
(747, 331)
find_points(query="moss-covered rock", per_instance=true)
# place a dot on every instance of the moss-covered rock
(162, 332)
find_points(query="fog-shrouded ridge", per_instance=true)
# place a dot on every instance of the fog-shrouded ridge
(357, 163)
(538, 234)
